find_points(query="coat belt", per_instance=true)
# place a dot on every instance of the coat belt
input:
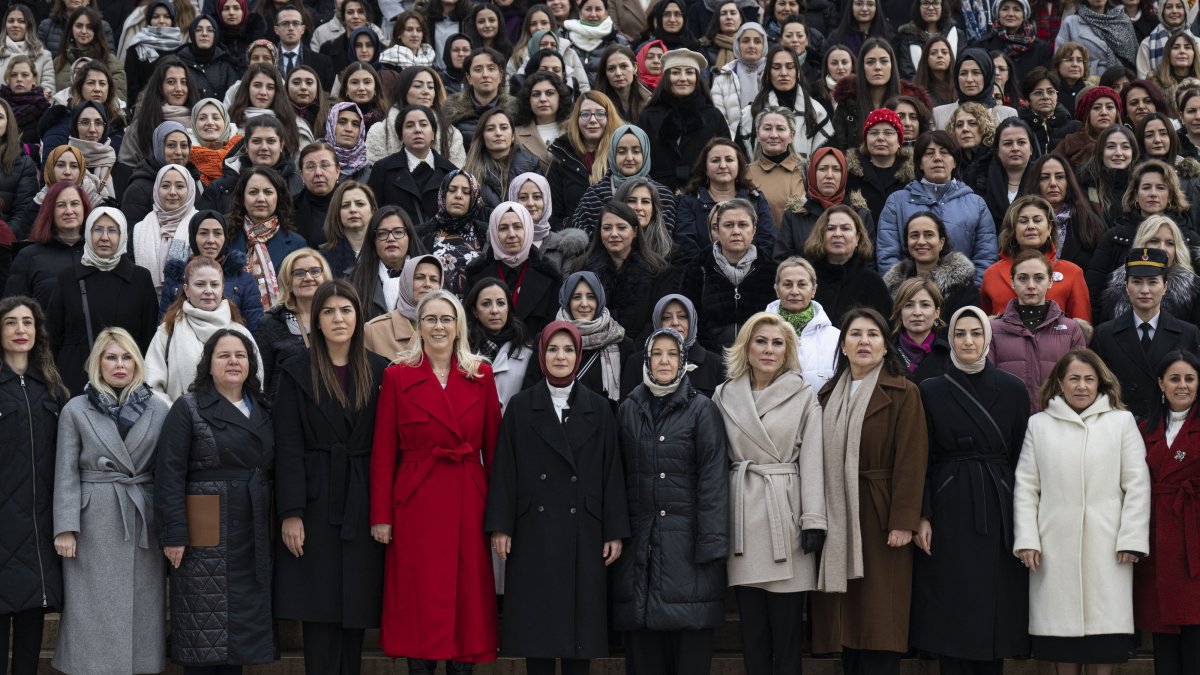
(994, 466)
(1186, 504)
(130, 499)
(345, 509)
(777, 505)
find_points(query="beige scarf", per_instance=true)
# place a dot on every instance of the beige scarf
(841, 426)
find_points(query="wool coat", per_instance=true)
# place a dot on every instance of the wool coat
(781, 183)
(776, 482)
(220, 595)
(114, 590)
(841, 288)
(172, 357)
(322, 475)
(1119, 343)
(954, 276)
(1082, 495)
(873, 612)
(1030, 355)
(970, 596)
(394, 184)
(534, 285)
(279, 339)
(432, 451)
(722, 306)
(558, 489)
(36, 267)
(388, 335)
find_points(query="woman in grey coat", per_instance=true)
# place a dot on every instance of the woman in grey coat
(113, 578)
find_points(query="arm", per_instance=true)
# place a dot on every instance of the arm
(615, 503)
(1134, 531)
(712, 485)
(501, 513)
(1079, 306)
(985, 250)
(888, 242)
(812, 470)
(764, 231)
(291, 480)
(149, 312)
(1143, 59)
(912, 454)
(384, 449)
(27, 188)
(170, 476)
(67, 492)
(1027, 494)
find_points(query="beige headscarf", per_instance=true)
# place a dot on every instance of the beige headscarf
(978, 365)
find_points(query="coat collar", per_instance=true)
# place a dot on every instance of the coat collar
(576, 430)
(428, 395)
(104, 429)
(221, 409)
(737, 399)
(1166, 338)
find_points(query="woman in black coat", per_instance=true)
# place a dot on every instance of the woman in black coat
(329, 571)
(214, 71)
(555, 577)
(31, 394)
(669, 589)
(212, 508)
(394, 183)
(589, 129)
(676, 312)
(970, 595)
(532, 280)
(18, 177)
(840, 249)
(57, 244)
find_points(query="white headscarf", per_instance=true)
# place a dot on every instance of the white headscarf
(90, 257)
(978, 365)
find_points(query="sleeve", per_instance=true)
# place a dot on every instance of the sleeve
(1098, 270)
(559, 215)
(786, 245)
(722, 95)
(27, 187)
(888, 242)
(1027, 495)
(384, 448)
(1066, 33)
(501, 513)
(667, 199)
(1143, 60)
(18, 277)
(250, 305)
(118, 74)
(1080, 305)
(149, 311)
(45, 69)
(810, 450)
(685, 240)
(1133, 533)
(986, 302)
(378, 178)
(56, 315)
(170, 476)
(985, 251)
(912, 454)
(291, 480)
(67, 492)
(764, 231)
(157, 373)
(712, 484)
(491, 418)
(266, 350)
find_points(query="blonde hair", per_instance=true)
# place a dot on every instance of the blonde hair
(614, 120)
(469, 363)
(125, 341)
(287, 298)
(907, 291)
(737, 363)
(1150, 227)
(1176, 200)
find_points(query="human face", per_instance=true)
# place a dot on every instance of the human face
(262, 91)
(336, 320)
(1052, 183)
(1156, 139)
(177, 148)
(1014, 148)
(735, 233)
(117, 366)
(231, 13)
(931, 11)
(491, 309)
(774, 135)
(910, 121)
(1139, 105)
(347, 129)
(498, 135)
(319, 172)
(970, 78)
(18, 330)
(230, 365)
(794, 36)
(426, 278)
(583, 303)
(1011, 15)
(617, 236)
(924, 242)
(204, 289)
(289, 26)
(722, 166)
(90, 126)
(172, 190)
(15, 26)
(682, 80)
(552, 63)
(487, 24)
(877, 66)
(730, 18)
(1032, 228)
(883, 141)
(1172, 13)
(210, 124)
(1031, 282)
(391, 242)
(642, 203)
(664, 359)
(766, 351)
(968, 341)
(939, 57)
(560, 350)
(530, 196)
(1103, 114)
(1070, 69)
(864, 11)
(66, 167)
(261, 199)
(829, 176)
(266, 148)
(1080, 385)
(537, 20)
(364, 49)
(417, 134)
(620, 72)
(105, 235)
(937, 164)
(544, 102)
(511, 233)
(795, 289)
(1164, 240)
(838, 63)
(302, 87)
(210, 238)
(675, 316)
(1043, 98)
(1183, 54)
(784, 9)
(919, 314)
(423, 90)
(1179, 385)
(261, 55)
(305, 285)
(1191, 116)
(1152, 193)
(484, 77)
(863, 344)
(629, 155)
(82, 31)
(1117, 152)
(592, 120)
(654, 60)
(20, 78)
(3, 123)
(841, 238)
(783, 69)
(458, 196)
(95, 87)
(459, 51)
(1145, 293)
(68, 212)
(360, 87)
(672, 18)
(175, 86)
(355, 16)
(355, 210)
(752, 45)
(206, 34)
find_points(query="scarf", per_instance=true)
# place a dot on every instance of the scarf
(510, 259)
(236, 30)
(90, 258)
(258, 258)
(548, 332)
(211, 163)
(985, 96)
(178, 113)
(406, 304)
(800, 319)
(230, 129)
(125, 413)
(735, 273)
(160, 138)
(1064, 223)
(1114, 29)
(651, 81)
(749, 73)
(1156, 41)
(100, 158)
(152, 42)
(724, 45)
(811, 177)
(604, 334)
(977, 18)
(492, 342)
(1016, 43)
(643, 140)
(841, 430)
(1033, 315)
(693, 320)
(658, 389)
(28, 108)
(541, 228)
(978, 365)
(463, 225)
(352, 160)
(402, 57)
(12, 47)
(913, 353)
(162, 237)
(532, 47)
(586, 36)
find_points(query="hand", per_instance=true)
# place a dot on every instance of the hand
(612, 551)
(502, 544)
(924, 536)
(1031, 558)
(382, 533)
(899, 538)
(293, 535)
(812, 541)
(174, 554)
(1123, 558)
(64, 544)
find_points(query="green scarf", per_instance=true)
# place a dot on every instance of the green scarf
(800, 319)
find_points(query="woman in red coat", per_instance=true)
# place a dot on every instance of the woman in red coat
(1166, 591)
(435, 432)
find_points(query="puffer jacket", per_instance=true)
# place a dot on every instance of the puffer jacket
(30, 575)
(1031, 354)
(970, 226)
(17, 190)
(672, 576)
(51, 33)
(569, 179)
(727, 95)
(723, 307)
(240, 287)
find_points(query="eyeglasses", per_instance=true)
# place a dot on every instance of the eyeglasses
(109, 231)
(886, 132)
(290, 24)
(931, 3)
(598, 115)
(324, 166)
(397, 234)
(1043, 93)
(314, 272)
(432, 321)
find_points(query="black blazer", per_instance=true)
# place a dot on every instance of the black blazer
(393, 184)
(1119, 343)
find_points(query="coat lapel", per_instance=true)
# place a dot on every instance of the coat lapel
(1129, 340)
(257, 424)
(1165, 339)
(105, 430)
(436, 401)
(747, 415)
(300, 370)
(554, 433)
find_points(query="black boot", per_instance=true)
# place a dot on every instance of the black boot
(459, 668)
(421, 667)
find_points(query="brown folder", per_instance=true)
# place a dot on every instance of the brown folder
(204, 520)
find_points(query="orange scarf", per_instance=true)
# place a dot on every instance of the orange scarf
(211, 163)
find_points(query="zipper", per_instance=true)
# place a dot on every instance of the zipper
(37, 536)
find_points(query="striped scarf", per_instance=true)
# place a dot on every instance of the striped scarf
(1157, 41)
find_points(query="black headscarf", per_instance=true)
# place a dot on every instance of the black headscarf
(464, 224)
(456, 73)
(205, 55)
(78, 110)
(986, 97)
(194, 225)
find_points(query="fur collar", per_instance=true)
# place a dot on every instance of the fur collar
(460, 107)
(1182, 288)
(952, 273)
(1187, 167)
(905, 174)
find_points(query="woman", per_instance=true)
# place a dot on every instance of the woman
(1081, 415)
(1079, 227)
(579, 160)
(795, 288)
(345, 228)
(1030, 225)
(975, 131)
(1105, 177)
(720, 174)
(860, 24)
(169, 95)
(930, 255)
(22, 40)
(485, 26)
(53, 31)
(617, 78)
(781, 89)
(260, 225)
(999, 181)
(1159, 140)
(309, 101)
(104, 289)
(877, 79)
(285, 328)
(344, 130)
(495, 157)
(387, 244)
(512, 258)
(1179, 63)
(240, 28)
(341, 49)
(424, 87)
(411, 46)
(679, 119)
(545, 620)
(413, 187)
(927, 21)
(64, 163)
(917, 318)
(707, 369)
(83, 40)
(541, 114)
(1050, 120)
(1013, 34)
(840, 250)
(628, 158)
(206, 238)
(838, 62)
(172, 145)
(105, 466)
(364, 88)
(1182, 283)
(592, 33)
(391, 334)
(438, 382)
(879, 164)
(1140, 99)
(869, 407)
(28, 101)
(935, 71)
(1189, 116)
(970, 598)
(18, 176)
(533, 192)
(1172, 20)
(716, 27)
(777, 169)
(215, 134)
(736, 84)
(825, 188)
(215, 69)
(496, 332)
(212, 495)
(167, 225)
(766, 398)
(57, 241)
(666, 21)
(1105, 33)
(1098, 108)
(975, 81)
(454, 234)
(89, 133)
(669, 629)
(262, 92)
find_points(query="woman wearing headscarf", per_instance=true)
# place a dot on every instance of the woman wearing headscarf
(825, 188)
(172, 145)
(975, 81)
(166, 227)
(206, 238)
(532, 191)
(102, 290)
(512, 258)
(390, 334)
(676, 312)
(450, 68)
(556, 595)
(649, 59)
(628, 157)
(216, 136)
(736, 84)
(970, 596)
(1105, 30)
(89, 133)
(239, 29)
(346, 131)
(1014, 34)
(455, 234)
(214, 70)
(160, 35)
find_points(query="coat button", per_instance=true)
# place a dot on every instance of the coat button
(572, 510)
(662, 438)
(662, 475)
(541, 508)
(543, 476)
(574, 479)
(662, 513)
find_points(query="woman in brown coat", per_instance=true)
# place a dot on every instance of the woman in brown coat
(875, 446)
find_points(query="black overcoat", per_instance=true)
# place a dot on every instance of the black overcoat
(723, 307)
(395, 185)
(538, 282)
(1119, 344)
(35, 270)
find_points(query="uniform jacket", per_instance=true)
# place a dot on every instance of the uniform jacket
(1030, 355)
(1119, 343)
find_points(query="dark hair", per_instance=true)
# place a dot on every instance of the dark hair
(597, 256)
(699, 176)
(1036, 75)
(714, 23)
(10, 146)
(42, 231)
(365, 277)
(204, 379)
(663, 94)
(150, 103)
(367, 8)
(98, 49)
(1173, 147)
(1084, 223)
(1164, 412)
(237, 206)
(1017, 122)
(862, 90)
(631, 107)
(1012, 93)
(477, 337)
(41, 357)
(525, 109)
(316, 111)
(500, 43)
(324, 376)
(766, 88)
(1113, 74)
(1107, 383)
(879, 28)
(1155, 92)
(1025, 255)
(942, 87)
(891, 359)
(939, 137)
(432, 9)
(496, 57)
(380, 102)
(535, 61)
(110, 103)
(944, 21)
(654, 29)
(943, 233)
(924, 115)
(429, 113)
(272, 123)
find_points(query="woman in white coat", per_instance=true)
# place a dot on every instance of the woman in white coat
(1083, 456)
(795, 285)
(776, 490)
(736, 84)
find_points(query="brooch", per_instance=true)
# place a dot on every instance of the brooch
(1180, 455)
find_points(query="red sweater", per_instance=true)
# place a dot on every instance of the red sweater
(1069, 289)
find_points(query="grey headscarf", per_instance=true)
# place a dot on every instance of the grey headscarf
(693, 327)
(160, 138)
(569, 286)
(749, 74)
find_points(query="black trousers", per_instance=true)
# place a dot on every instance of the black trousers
(675, 652)
(422, 666)
(546, 666)
(26, 640)
(330, 648)
(1177, 654)
(212, 670)
(949, 666)
(870, 662)
(771, 630)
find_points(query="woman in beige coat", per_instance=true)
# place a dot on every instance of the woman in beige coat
(1081, 517)
(776, 487)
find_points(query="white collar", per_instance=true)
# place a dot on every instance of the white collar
(414, 162)
(1137, 322)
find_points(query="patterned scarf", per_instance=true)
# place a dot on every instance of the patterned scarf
(977, 19)
(605, 334)
(1016, 43)
(258, 258)
(800, 319)
(27, 107)
(463, 225)
(352, 160)
(1114, 28)
(125, 413)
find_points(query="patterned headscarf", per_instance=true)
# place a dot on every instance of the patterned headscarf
(352, 160)
(464, 224)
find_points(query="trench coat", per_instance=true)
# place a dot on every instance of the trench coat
(1073, 464)
(558, 488)
(776, 482)
(430, 458)
(873, 613)
(322, 464)
(971, 597)
(114, 590)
